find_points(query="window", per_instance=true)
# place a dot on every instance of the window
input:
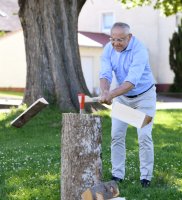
(178, 19)
(107, 21)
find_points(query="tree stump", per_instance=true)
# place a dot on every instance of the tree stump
(81, 165)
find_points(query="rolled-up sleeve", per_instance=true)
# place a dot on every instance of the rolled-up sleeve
(106, 67)
(137, 67)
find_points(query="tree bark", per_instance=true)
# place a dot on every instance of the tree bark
(53, 61)
(81, 165)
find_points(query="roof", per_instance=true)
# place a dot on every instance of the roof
(91, 39)
(100, 38)
(87, 42)
(9, 20)
(97, 40)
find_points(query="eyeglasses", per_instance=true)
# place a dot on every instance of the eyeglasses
(117, 39)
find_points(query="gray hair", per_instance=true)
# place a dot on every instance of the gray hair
(121, 25)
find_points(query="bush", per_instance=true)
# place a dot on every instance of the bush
(2, 33)
(175, 59)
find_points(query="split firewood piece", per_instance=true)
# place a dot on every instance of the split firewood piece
(102, 191)
(99, 196)
(29, 113)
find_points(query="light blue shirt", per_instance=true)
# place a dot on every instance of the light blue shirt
(131, 65)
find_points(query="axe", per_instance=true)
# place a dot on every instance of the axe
(82, 98)
(119, 111)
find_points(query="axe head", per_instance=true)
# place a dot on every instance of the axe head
(82, 98)
(129, 115)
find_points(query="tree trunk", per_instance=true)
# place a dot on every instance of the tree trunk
(53, 61)
(81, 165)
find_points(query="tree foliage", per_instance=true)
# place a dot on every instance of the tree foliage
(167, 7)
(175, 58)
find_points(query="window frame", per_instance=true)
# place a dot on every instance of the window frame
(103, 28)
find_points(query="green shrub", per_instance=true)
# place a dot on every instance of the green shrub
(175, 59)
(2, 33)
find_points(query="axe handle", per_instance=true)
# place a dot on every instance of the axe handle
(91, 99)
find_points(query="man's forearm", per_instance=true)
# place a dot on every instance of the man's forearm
(107, 96)
(104, 85)
(122, 89)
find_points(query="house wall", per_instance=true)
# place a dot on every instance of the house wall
(146, 24)
(12, 61)
(95, 54)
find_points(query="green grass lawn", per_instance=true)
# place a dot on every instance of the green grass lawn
(30, 158)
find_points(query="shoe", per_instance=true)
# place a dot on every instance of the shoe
(145, 183)
(117, 179)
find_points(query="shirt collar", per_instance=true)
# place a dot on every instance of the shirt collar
(129, 47)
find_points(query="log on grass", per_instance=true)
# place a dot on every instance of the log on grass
(29, 113)
(81, 165)
(102, 191)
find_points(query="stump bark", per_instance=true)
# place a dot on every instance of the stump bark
(81, 165)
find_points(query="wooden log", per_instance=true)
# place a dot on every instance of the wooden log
(81, 165)
(101, 191)
(29, 113)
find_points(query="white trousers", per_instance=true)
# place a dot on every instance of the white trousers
(146, 103)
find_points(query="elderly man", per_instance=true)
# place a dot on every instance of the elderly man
(127, 58)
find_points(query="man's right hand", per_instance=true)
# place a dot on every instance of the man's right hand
(106, 98)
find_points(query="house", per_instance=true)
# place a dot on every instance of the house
(90, 53)
(13, 61)
(147, 24)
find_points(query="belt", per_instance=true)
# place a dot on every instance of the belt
(140, 93)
